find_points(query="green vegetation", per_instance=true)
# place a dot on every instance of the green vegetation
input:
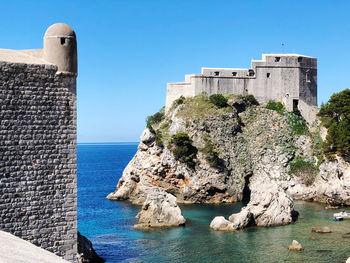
(181, 146)
(249, 99)
(159, 138)
(179, 101)
(303, 169)
(317, 146)
(218, 100)
(297, 124)
(211, 155)
(155, 118)
(276, 106)
(335, 116)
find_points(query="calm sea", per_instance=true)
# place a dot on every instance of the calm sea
(108, 224)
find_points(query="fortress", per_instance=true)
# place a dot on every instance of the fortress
(288, 78)
(38, 176)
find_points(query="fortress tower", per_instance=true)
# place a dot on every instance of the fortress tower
(288, 78)
(38, 176)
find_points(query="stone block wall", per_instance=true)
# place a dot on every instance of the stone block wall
(38, 184)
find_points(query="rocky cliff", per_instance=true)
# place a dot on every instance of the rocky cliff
(233, 146)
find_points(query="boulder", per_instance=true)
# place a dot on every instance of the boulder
(159, 210)
(86, 253)
(348, 260)
(325, 229)
(347, 235)
(219, 223)
(295, 246)
(269, 206)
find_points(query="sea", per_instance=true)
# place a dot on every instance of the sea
(109, 224)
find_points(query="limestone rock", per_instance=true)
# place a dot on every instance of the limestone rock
(255, 144)
(160, 210)
(295, 246)
(86, 253)
(325, 229)
(219, 223)
(269, 206)
(348, 260)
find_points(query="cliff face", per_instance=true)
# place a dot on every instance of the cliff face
(238, 146)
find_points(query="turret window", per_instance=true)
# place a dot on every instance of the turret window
(268, 75)
(63, 41)
(216, 73)
(234, 74)
(277, 59)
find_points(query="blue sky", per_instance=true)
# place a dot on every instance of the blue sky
(128, 50)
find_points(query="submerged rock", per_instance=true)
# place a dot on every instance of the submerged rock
(324, 229)
(159, 210)
(346, 235)
(295, 246)
(86, 253)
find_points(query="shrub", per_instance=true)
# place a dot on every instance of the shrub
(304, 169)
(335, 116)
(155, 118)
(181, 146)
(159, 138)
(297, 124)
(276, 106)
(211, 155)
(250, 100)
(179, 101)
(218, 100)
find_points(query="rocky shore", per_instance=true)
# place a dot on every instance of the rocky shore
(243, 152)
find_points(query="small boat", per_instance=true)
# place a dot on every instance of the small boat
(342, 214)
(338, 218)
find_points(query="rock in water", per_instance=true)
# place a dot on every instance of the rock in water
(269, 206)
(219, 223)
(325, 229)
(295, 246)
(86, 253)
(159, 210)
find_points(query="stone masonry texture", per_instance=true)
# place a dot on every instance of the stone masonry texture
(38, 183)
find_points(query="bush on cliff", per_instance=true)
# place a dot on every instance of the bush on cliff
(218, 100)
(181, 146)
(155, 118)
(335, 116)
(211, 155)
(297, 123)
(276, 106)
(307, 171)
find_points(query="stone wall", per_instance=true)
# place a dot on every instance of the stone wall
(38, 184)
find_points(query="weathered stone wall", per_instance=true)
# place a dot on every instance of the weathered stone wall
(38, 181)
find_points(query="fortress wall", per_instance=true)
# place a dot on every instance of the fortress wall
(176, 90)
(217, 85)
(38, 181)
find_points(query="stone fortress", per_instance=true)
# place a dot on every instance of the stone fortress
(288, 78)
(38, 164)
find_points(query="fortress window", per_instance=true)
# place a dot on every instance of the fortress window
(234, 74)
(277, 59)
(251, 73)
(268, 75)
(308, 77)
(216, 73)
(300, 59)
(63, 41)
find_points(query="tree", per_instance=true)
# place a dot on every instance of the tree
(335, 116)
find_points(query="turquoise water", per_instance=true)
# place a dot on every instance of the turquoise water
(108, 224)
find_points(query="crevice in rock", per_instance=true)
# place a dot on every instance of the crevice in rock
(246, 189)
